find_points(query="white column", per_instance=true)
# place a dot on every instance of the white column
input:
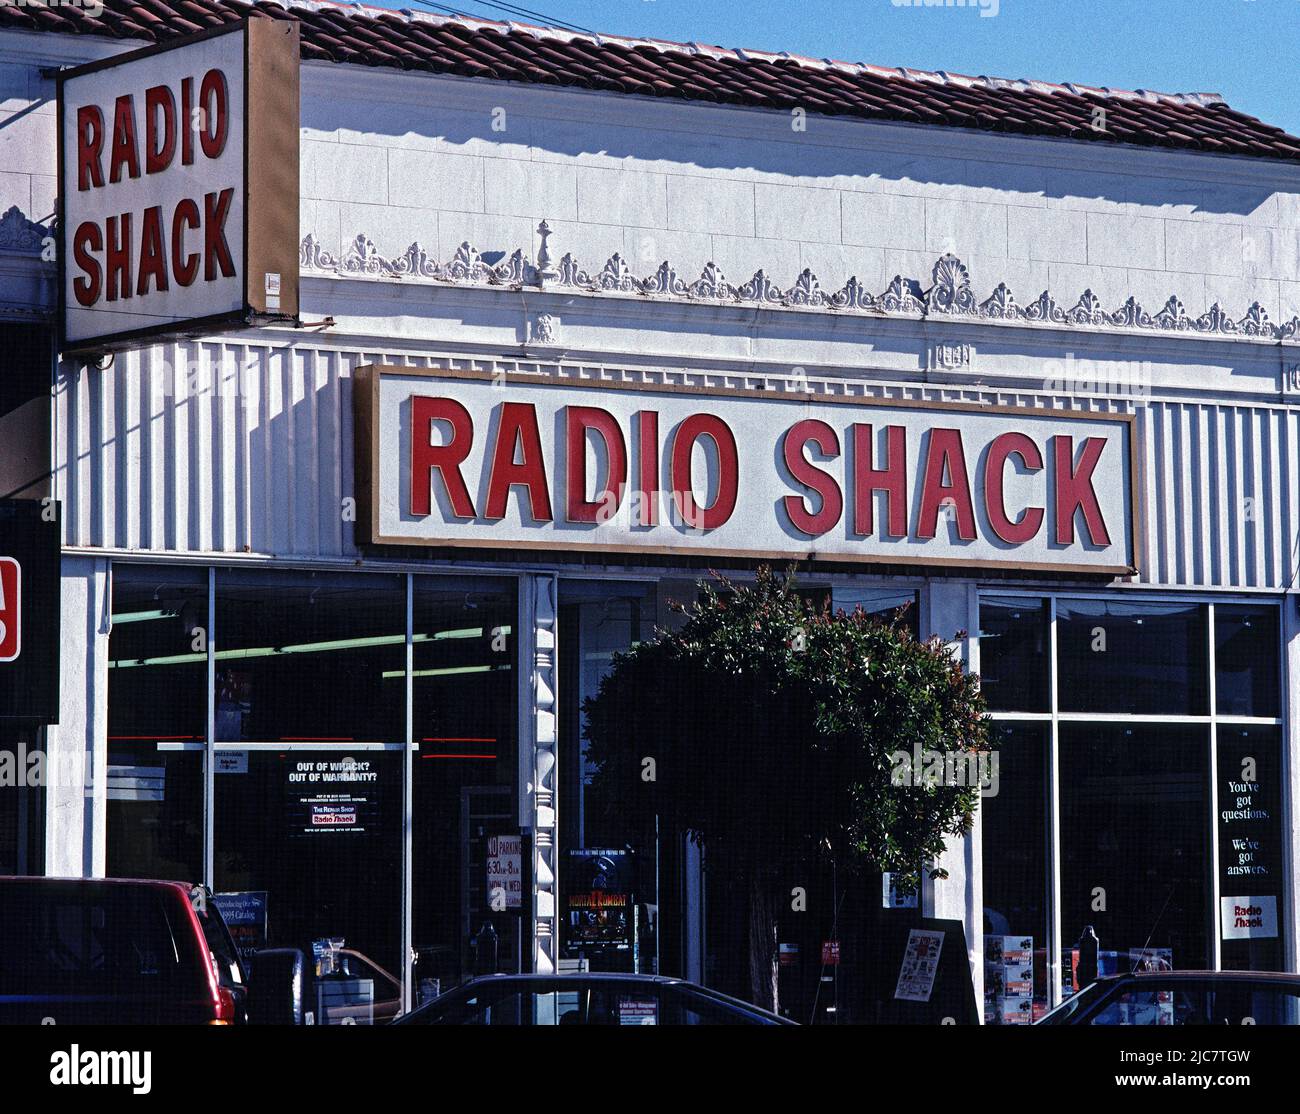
(952, 606)
(539, 772)
(77, 746)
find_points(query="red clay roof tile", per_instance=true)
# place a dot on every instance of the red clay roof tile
(484, 49)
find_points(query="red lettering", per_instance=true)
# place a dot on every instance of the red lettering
(216, 115)
(831, 499)
(1074, 490)
(1006, 445)
(185, 268)
(123, 154)
(187, 121)
(160, 148)
(153, 256)
(444, 459)
(945, 457)
(90, 142)
(117, 257)
(577, 421)
(518, 426)
(891, 479)
(647, 490)
(88, 239)
(216, 252)
(724, 503)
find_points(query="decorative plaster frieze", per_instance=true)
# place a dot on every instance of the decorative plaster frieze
(949, 294)
(19, 234)
(545, 329)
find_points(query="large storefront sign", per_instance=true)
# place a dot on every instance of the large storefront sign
(179, 187)
(29, 610)
(459, 458)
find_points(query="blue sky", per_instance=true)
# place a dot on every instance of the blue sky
(1245, 49)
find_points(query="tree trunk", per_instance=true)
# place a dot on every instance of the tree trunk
(762, 945)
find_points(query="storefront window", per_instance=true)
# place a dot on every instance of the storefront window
(310, 657)
(1014, 660)
(309, 845)
(157, 722)
(1138, 799)
(1246, 660)
(465, 836)
(308, 817)
(310, 717)
(887, 604)
(1142, 658)
(1251, 839)
(1134, 847)
(609, 871)
(1016, 878)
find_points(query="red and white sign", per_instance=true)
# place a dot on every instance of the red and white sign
(1249, 918)
(11, 609)
(165, 212)
(505, 859)
(458, 459)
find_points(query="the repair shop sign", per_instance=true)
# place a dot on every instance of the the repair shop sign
(179, 186)
(29, 610)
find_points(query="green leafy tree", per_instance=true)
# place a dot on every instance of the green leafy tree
(771, 729)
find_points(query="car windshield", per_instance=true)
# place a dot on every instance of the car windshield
(604, 1002)
(1065, 1012)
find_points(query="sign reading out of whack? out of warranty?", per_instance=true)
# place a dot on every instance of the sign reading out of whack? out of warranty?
(178, 192)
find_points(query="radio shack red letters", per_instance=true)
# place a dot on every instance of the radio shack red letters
(950, 483)
(136, 253)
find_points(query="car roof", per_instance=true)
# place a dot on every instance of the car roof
(580, 976)
(569, 978)
(33, 879)
(1201, 976)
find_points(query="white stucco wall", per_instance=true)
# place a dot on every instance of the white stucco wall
(399, 157)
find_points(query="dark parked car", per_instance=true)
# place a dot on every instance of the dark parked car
(597, 998)
(1183, 998)
(126, 951)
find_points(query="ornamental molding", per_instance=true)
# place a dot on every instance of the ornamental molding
(948, 294)
(20, 234)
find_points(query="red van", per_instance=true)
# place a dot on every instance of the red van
(120, 951)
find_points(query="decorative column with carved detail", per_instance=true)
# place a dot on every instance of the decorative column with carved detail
(539, 802)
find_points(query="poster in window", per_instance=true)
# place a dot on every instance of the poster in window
(920, 964)
(331, 796)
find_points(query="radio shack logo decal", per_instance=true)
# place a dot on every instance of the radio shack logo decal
(11, 643)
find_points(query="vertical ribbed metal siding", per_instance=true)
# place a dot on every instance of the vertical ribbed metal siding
(260, 459)
(1221, 490)
(209, 447)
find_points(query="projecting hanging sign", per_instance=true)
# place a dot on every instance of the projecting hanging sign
(461, 458)
(178, 170)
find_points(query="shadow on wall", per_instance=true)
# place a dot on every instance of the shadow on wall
(672, 136)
